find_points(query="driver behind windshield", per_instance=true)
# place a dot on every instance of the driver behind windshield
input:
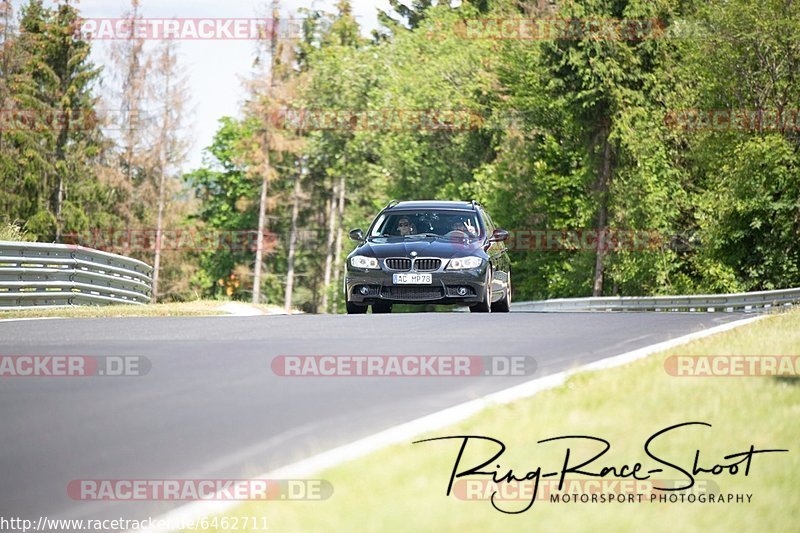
(405, 227)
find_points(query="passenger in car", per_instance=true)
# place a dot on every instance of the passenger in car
(464, 226)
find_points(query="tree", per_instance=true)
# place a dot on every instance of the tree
(413, 16)
(53, 169)
(131, 66)
(220, 186)
(70, 76)
(266, 173)
(747, 213)
(290, 260)
(571, 133)
(170, 92)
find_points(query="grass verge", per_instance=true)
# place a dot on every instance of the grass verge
(402, 488)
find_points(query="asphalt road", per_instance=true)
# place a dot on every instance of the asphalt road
(212, 408)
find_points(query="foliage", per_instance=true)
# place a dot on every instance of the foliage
(566, 133)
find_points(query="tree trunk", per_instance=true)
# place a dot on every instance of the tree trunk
(63, 137)
(159, 231)
(338, 250)
(262, 222)
(262, 205)
(162, 175)
(292, 243)
(59, 203)
(329, 249)
(603, 180)
(331, 217)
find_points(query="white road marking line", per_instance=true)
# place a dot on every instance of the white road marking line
(33, 318)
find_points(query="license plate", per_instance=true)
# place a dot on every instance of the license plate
(412, 279)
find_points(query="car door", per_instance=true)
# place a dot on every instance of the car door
(498, 256)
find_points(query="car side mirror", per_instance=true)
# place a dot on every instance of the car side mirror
(499, 235)
(357, 235)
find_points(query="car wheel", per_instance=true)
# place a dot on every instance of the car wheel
(486, 305)
(504, 305)
(381, 308)
(355, 309)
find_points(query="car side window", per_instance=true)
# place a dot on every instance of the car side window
(489, 224)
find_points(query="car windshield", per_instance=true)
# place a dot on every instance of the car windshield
(415, 224)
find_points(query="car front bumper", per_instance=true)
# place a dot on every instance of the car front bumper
(448, 287)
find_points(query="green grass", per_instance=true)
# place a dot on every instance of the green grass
(12, 232)
(198, 308)
(402, 488)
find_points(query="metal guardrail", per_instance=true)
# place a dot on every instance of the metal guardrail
(54, 275)
(746, 301)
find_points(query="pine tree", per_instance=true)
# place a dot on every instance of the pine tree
(24, 159)
(60, 97)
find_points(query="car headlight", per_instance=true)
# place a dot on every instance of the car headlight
(462, 263)
(361, 261)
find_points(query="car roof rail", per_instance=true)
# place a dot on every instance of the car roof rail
(391, 204)
(475, 204)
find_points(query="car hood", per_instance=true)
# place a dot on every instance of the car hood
(383, 247)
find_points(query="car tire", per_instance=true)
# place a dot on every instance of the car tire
(381, 308)
(504, 305)
(355, 309)
(486, 305)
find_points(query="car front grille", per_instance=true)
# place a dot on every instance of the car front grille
(427, 265)
(412, 293)
(398, 263)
